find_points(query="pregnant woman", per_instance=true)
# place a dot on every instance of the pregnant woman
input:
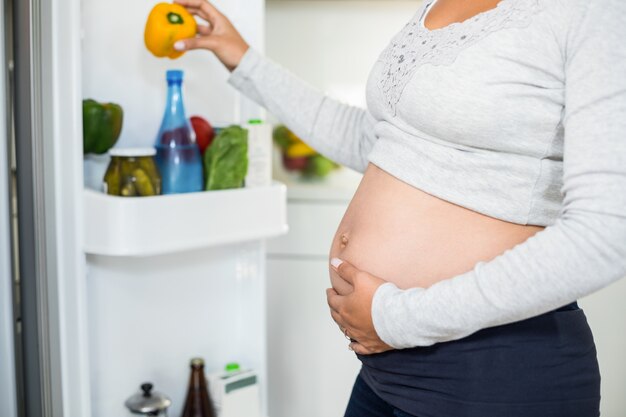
(493, 197)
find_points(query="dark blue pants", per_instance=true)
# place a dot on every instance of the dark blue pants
(541, 367)
(365, 403)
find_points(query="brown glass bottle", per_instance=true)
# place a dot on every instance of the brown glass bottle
(198, 403)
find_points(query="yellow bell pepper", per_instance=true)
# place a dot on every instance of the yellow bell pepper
(293, 138)
(167, 24)
(300, 149)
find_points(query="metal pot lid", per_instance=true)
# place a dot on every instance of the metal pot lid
(147, 401)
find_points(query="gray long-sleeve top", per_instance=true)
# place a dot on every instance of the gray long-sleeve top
(518, 113)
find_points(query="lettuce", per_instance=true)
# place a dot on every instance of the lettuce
(226, 160)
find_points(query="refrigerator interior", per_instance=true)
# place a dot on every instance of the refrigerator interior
(149, 315)
(116, 66)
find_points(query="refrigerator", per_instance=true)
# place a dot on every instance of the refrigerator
(100, 294)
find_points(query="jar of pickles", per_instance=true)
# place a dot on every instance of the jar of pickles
(132, 173)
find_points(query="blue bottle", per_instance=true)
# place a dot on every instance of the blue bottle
(178, 156)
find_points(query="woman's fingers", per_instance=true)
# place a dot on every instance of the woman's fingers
(190, 3)
(203, 8)
(350, 333)
(219, 36)
(204, 42)
(333, 299)
(337, 319)
(345, 270)
(198, 4)
(360, 349)
(204, 30)
(201, 14)
(197, 12)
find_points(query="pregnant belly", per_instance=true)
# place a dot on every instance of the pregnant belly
(413, 239)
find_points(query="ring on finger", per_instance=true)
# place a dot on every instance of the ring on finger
(345, 333)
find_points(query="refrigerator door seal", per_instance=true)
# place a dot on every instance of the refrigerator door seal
(8, 324)
(48, 139)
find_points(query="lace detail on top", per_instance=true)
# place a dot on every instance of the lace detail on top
(416, 45)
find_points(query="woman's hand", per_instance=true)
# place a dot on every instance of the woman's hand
(353, 311)
(218, 36)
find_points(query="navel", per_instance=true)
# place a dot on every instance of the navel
(344, 240)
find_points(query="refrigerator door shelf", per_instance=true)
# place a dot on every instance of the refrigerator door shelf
(146, 226)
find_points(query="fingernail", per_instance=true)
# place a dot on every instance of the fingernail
(179, 46)
(335, 262)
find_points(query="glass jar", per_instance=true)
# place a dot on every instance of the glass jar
(132, 172)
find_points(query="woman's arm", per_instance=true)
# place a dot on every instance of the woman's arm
(584, 250)
(343, 133)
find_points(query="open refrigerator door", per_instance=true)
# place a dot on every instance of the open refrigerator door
(125, 292)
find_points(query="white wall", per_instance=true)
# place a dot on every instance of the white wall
(311, 369)
(606, 313)
(332, 44)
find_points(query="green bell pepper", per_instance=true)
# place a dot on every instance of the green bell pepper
(102, 124)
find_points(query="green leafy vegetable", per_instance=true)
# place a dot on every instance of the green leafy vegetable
(226, 160)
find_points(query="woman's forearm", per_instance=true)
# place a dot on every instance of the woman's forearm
(341, 132)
